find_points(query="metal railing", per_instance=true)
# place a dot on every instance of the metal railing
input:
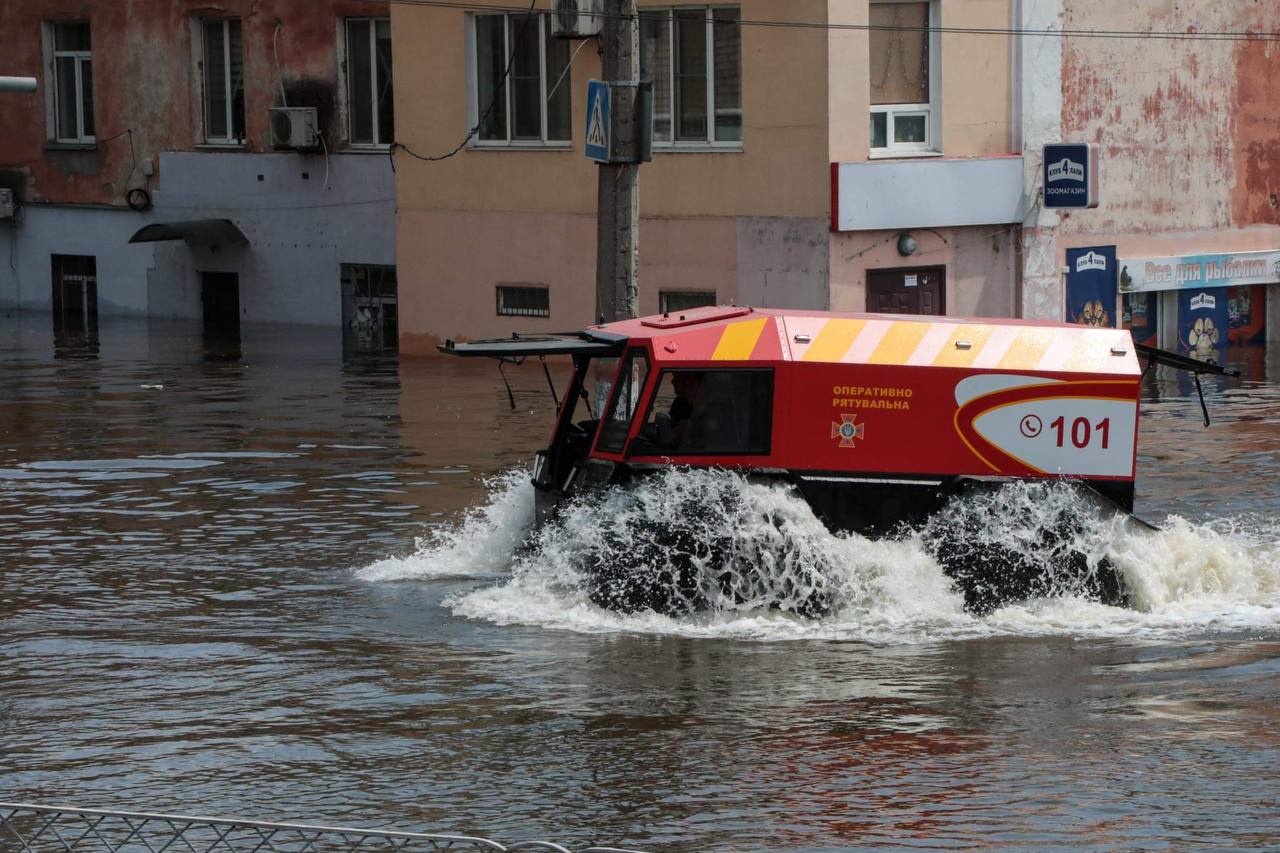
(39, 828)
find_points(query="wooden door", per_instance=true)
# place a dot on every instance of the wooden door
(917, 290)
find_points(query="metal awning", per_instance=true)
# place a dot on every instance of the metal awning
(207, 233)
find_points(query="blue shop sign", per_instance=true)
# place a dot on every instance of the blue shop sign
(1071, 175)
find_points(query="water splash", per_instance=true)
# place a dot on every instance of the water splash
(1181, 579)
(481, 545)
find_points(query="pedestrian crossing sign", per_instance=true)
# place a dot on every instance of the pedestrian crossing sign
(598, 124)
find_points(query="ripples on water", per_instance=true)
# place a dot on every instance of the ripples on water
(212, 601)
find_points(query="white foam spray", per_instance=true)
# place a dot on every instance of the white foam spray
(482, 544)
(1184, 578)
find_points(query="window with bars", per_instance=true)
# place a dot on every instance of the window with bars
(671, 301)
(693, 57)
(223, 74)
(902, 113)
(523, 301)
(531, 104)
(369, 90)
(72, 73)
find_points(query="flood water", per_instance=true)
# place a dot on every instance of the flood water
(214, 600)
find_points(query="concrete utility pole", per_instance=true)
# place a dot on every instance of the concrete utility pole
(618, 210)
(17, 84)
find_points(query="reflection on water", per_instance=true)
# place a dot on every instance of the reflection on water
(183, 629)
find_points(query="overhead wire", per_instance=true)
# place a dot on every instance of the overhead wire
(500, 89)
(1175, 35)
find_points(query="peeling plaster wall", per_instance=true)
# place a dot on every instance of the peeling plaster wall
(147, 79)
(1189, 130)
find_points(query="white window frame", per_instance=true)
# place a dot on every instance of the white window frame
(51, 99)
(377, 144)
(475, 108)
(710, 142)
(931, 111)
(226, 66)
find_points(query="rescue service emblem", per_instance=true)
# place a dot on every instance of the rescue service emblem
(847, 430)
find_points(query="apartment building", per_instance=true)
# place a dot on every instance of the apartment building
(864, 155)
(149, 180)
(801, 159)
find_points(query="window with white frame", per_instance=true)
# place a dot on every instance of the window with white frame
(530, 103)
(223, 74)
(902, 88)
(369, 95)
(693, 57)
(72, 88)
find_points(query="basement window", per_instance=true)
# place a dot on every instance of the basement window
(523, 301)
(671, 301)
(71, 69)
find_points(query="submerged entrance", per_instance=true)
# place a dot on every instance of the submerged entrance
(75, 293)
(370, 309)
(220, 304)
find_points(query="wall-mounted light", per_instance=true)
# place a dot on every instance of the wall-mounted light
(906, 244)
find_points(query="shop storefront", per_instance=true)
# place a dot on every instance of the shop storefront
(1216, 307)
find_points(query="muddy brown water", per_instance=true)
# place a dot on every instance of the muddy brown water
(183, 628)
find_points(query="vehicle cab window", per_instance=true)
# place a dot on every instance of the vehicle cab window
(626, 398)
(709, 412)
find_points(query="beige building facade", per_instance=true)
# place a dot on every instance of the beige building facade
(818, 164)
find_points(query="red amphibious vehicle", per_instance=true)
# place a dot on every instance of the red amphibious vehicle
(875, 419)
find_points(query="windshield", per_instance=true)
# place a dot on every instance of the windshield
(626, 397)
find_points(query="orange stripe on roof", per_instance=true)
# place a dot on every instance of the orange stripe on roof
(899, 342)
(952, 356)
(738, 340)
(1027, 349)
(833, 341)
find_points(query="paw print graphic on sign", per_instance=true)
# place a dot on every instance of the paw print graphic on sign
(1203, 339)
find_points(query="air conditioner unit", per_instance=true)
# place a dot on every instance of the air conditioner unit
(294, 127)
(6, 204)
(576, 19)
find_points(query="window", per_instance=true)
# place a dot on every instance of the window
(693, 56)
(901, 77)
(626, 397)
(709, 412)
(531, 103)
(72, 82)
(223, 81)
(522, 301)
(372, 108)
(670, 301)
